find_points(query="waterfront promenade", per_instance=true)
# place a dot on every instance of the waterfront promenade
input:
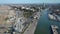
(31, 28)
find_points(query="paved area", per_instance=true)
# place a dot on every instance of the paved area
(32, 27)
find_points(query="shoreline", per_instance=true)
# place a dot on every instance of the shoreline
(31, 28)
(37, 20)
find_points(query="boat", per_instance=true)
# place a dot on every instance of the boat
(53, 16)
(54, 29)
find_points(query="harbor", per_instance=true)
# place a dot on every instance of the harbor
(43, 26)
(29, 19)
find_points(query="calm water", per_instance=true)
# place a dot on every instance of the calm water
(43, 26)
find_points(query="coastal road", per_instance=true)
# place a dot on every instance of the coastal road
(32, 26)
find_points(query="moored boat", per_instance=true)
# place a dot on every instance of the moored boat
(54, 29)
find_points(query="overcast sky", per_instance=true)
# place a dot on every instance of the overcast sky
(27, 1)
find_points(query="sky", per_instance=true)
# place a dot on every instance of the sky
(27, 1)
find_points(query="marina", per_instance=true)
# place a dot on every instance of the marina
(44, 23)
(30, 20)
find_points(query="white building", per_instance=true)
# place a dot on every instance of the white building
(19, 25)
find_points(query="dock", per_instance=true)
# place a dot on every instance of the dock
(54, 29)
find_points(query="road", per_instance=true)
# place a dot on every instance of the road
(32, 26)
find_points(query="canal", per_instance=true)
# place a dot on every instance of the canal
(43, 26)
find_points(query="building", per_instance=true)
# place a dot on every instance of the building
(5, 20)
(19, 25)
